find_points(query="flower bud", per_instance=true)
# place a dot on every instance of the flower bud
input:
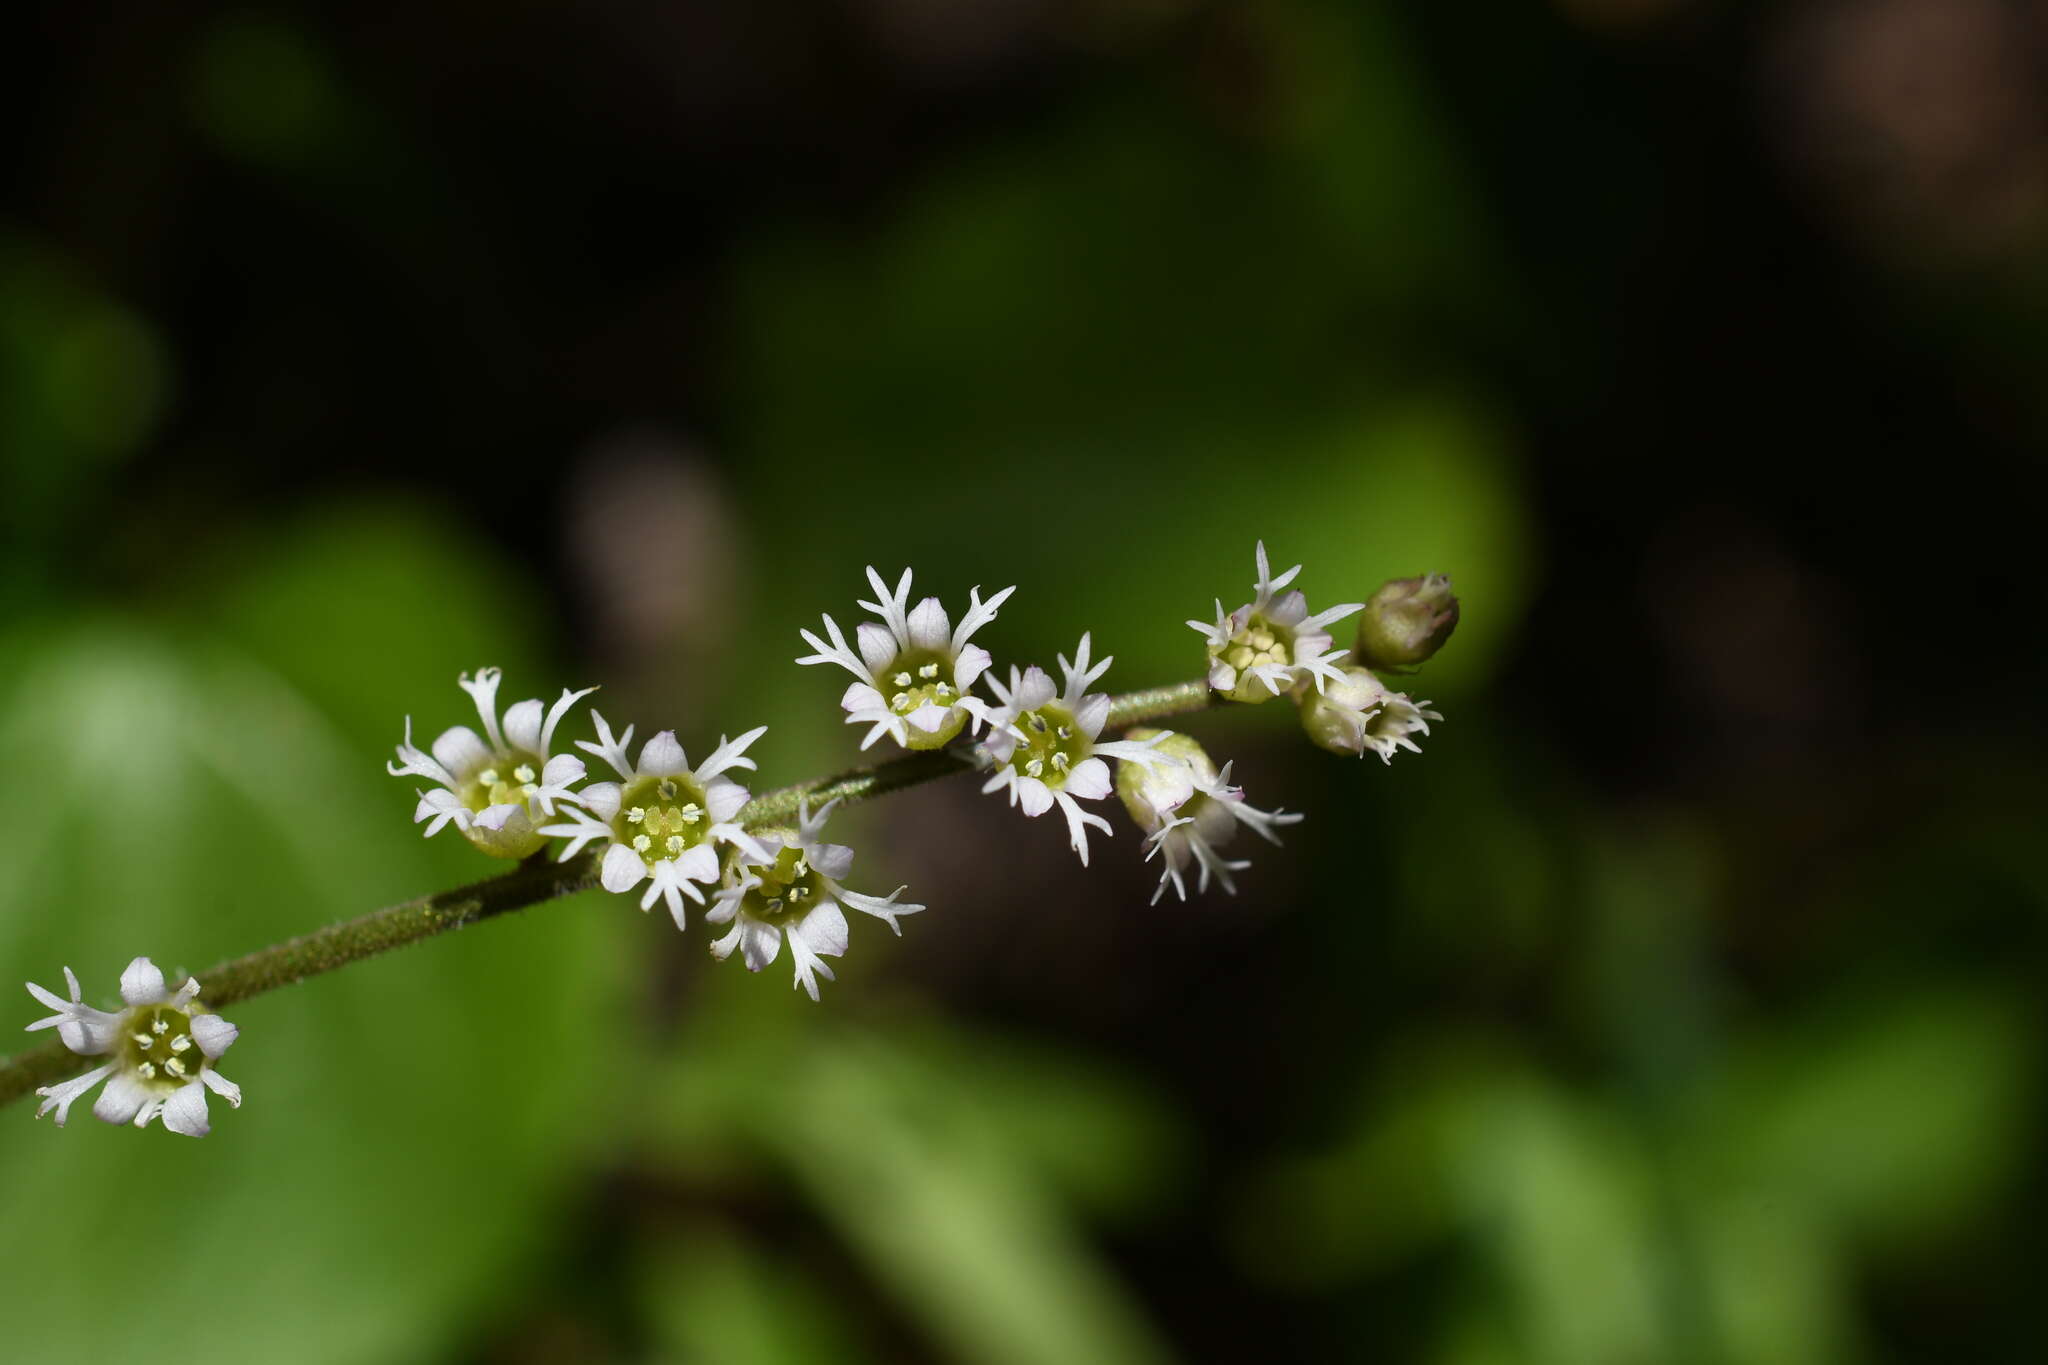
(1363, 713)
(1405, 622)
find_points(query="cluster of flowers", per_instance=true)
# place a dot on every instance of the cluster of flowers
(675, 826)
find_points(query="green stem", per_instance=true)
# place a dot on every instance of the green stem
(532, 882)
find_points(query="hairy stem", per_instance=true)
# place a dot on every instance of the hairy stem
(534, 881)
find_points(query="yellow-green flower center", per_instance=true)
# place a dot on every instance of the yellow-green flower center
(506, 780)
(918, 676)
(662, 817)
(1051, 746)
(1259, 642)
(159, 1049)
(788, 889)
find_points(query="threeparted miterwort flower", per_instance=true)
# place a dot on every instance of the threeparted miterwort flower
(1190, 810)
(665, 820)
(1271, 644)
(1042, 744)
(791, 890)
(1360, 713)
(160, 1052)
(496, 788)
(914, 669)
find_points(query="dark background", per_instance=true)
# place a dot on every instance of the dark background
(1680, 1002)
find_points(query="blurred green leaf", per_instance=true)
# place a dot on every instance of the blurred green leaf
(889, 1133)
(708, 1295)
(409, 1121)
(1889, 1120)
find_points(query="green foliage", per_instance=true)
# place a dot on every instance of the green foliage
(907, 1140)
(190, 801)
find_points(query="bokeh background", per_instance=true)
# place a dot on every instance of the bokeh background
(1681, 1003)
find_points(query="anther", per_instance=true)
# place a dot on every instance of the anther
(1059, 763)
(692, 813)
(147, 1071)
(901, 679)
(1065, 732)
(667, 789)
(489, 777)
(176, 1068)
(928, 671)
(181, 1043)
(524, 772)
(642, 843)
(900, 700)
(160, 1025)
(636, 815)
(143, 1040)
(1035, 768)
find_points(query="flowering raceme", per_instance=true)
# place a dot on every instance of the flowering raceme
(760, 864)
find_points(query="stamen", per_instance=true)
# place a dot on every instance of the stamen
(181, 1043)
(901, 679)
(667, 789)
(1065, 732)
(900, 700)
(523, 773)
(642, 843)
(143, 1040)
(176, 1068)
(636, 815)
(147, 1071)
(160, 1025)
(1059, 763)
(692, 813)
(775, 904)
(675, 843)
(928, 671)
(1035, 768)
(489, 777)
(943, 690)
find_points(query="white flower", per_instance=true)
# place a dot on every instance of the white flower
(1190, 811)
(1042, 744)
(161, 1051)
(792, 891)
(1271, 644)
(664, 820)
(495, 788)
(915, 671)
(1359, 712)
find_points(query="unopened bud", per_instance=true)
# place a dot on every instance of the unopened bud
(1362, 713)
(1405, 622)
